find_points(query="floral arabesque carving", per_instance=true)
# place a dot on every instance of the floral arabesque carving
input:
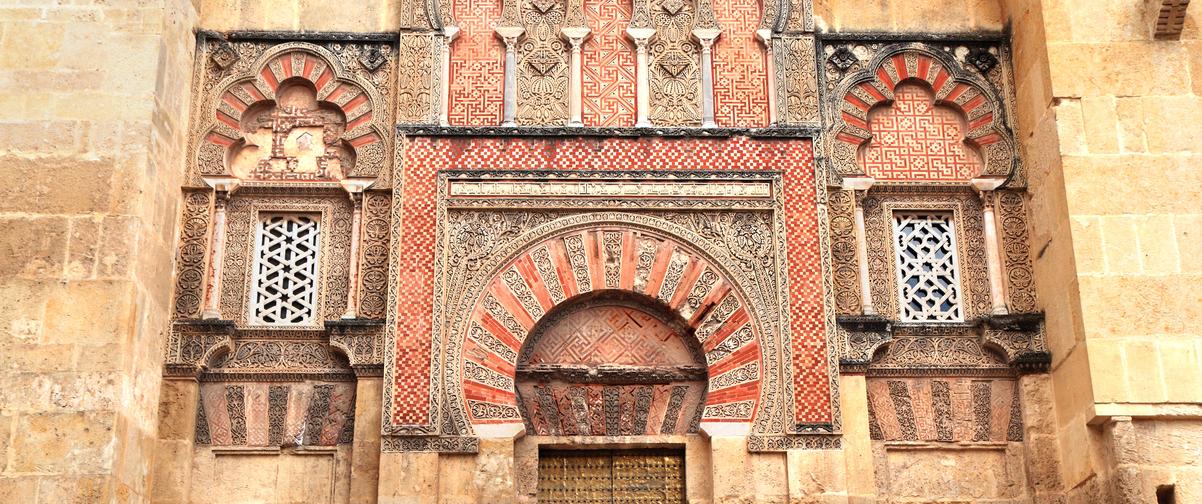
(542, 73)
(373, 254)
(192, 255)
(675, 79)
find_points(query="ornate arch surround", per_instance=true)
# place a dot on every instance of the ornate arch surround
(562, 259)
(952, 86)
(366, 121)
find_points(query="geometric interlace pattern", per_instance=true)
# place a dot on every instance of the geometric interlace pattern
(914, 140)
(611, 335)
(928, 278)
(285, 285)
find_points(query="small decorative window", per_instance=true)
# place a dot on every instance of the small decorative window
(928, 276)
(285, 270)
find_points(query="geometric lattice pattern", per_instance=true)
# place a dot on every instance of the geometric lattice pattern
(740, 67)
(477, 73)
(608, 79)
(914, 140)
(285, 285)
(928, 278)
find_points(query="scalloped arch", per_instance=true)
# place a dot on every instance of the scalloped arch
(952, 86)
(366, 116)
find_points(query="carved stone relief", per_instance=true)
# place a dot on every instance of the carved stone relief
(961, 410)
(373, 254)
(542, 70)
(419, 73)
(1016, 252)
(797, 90)
(675, 79)
(273, 415)
(191, 258)
(860, 76)
(841, 221)
(291, 111)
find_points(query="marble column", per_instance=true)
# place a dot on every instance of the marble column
(860, 186)
(354, 188)
(707, 36)
(641, 37)
(223, 187)
(510, 35)
(449, 33)
(576, 35)
(993, 258)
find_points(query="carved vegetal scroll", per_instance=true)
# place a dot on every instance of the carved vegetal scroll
(673, 63)
(784, 29)
(542, 64)
(419, 71)
(192, 253)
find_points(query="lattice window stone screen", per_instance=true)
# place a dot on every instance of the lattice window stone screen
(928, 271)
(285, 270)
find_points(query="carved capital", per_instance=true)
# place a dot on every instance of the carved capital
(510, 35)
(641, 37)
(706, 36)
(576, 35)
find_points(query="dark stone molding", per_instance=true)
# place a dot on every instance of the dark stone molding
(951, 37)
(1017, 338)
(611, 374)
(302, 36)
(622, 132)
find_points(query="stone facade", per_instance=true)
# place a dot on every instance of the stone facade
(400, 252)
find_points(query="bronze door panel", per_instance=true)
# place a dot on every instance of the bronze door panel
(611, 477)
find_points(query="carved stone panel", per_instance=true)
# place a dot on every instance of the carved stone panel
(542, 71)
(675, 78)
(293, 111)
(797, 92)
(963, 410)
(191, 257)
(273, 415)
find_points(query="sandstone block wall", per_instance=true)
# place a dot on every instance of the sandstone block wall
(94, 109)
(1101, 109)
